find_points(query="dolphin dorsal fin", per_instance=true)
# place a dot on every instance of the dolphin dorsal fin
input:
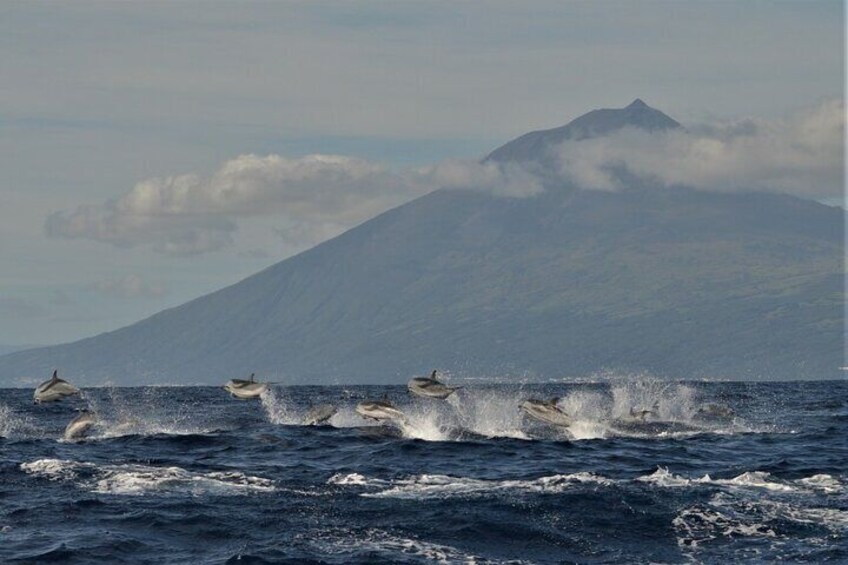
(433, 375)
(252, 377)
(55, 375)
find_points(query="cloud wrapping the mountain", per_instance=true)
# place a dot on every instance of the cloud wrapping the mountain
(801, 155)
(316, 197)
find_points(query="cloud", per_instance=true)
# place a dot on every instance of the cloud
(129, 286)
(802, 154)
(317, 197)
(314, 197)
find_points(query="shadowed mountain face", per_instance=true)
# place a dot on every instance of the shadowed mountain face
(677, 282)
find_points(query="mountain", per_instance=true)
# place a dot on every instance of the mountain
(533, 146)
(677, 282)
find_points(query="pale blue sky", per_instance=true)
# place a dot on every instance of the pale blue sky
(97, 97)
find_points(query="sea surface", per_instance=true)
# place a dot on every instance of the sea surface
(191, 475)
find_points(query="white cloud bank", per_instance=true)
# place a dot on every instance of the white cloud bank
(319, 196)
(315, 197)
(801, 155)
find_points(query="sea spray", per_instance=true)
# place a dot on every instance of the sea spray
(279, 409)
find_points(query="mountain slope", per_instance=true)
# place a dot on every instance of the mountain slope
(534, 145)
(677, 282)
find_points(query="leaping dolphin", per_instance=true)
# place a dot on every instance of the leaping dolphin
(430, 387)
(53, 389)
(319, 414)
(78, 427)
(380, 410)
(641, 414)
(246, 388)
(546, 411)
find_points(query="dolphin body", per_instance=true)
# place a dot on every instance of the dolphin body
(430, 387)
(78, 427)
(245, 388)
(546, 411)
(319, 414)
(53, 390)
(380, 410)
(714, 412)
(639, 415)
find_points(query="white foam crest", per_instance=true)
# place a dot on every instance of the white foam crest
(734, 515)
(378, 544)
(133, 479)
(750, 479)
(353, 479)
(758, 479)
(664, 478)
(444, 486)
(53, 469)
(824, 483)
(700, 524)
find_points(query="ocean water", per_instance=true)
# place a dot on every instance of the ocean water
(190, 475)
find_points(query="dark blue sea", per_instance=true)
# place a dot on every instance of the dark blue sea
(191, 475)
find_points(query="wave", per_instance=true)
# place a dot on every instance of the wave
(728, 515)
(444, 486)
(133, 479)
(751, 479)
(373, 544)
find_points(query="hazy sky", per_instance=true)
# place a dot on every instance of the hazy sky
(138, 141)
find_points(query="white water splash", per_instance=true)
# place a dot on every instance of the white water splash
(279, 409)
(15, 425)
(147, 414)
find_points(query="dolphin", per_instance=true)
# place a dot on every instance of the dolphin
(78, 427)
(639, 415)
(430, 387)
(546, 411)
(319, 414)
(380, 410)
(246, 388)
(53, 389)
(714, 412)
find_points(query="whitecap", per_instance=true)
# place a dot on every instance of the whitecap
(445, 486)
(131, 479)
